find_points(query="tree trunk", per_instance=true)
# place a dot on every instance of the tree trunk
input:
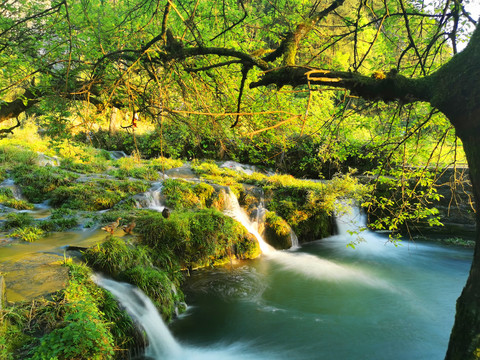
(465, 336)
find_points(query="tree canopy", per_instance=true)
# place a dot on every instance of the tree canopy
(359, 79)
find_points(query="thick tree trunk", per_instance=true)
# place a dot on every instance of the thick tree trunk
(465, 337)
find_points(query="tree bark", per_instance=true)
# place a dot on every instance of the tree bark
(465, 336)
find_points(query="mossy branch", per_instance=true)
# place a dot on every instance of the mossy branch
(392, 87)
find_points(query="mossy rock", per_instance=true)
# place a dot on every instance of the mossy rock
(115, 256)
(197, 238)
(277, 231)
(36, 182)
(95, 195)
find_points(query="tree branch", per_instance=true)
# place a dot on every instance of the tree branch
(14, 108)
(392, 87)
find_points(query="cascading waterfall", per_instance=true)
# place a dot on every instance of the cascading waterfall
(236, 212)
(161, 343)
(10, 184)
(301, 263)
(349, 218)
(352, 228)
(151, 199)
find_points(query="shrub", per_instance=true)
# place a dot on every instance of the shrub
(16, 220)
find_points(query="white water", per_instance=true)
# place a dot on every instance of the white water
(307, 265)
(235, 211)
(151, 199)
(161, 343)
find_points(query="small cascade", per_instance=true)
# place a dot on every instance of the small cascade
(235, 211)
(10, 184)
(161, 343)
(353, 232)
(151, 199)
(294, 239)
(349, 218)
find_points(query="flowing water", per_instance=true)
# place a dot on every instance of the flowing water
(319, 301)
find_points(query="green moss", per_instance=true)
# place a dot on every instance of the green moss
(115, 256)
(37, 182)
(277, 231)
(157, 286)
(204, 192)
(197, 238)
(179, 195)
(95, 195)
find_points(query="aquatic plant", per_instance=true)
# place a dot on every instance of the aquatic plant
(28, 233)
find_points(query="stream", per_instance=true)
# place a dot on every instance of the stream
(322, 300)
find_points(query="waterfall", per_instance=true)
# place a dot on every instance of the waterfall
(236, 212)
(294, 239)
(349, 218)
(151, 199)
(161, 343)
(10, 184)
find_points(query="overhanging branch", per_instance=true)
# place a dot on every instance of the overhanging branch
(392, 87)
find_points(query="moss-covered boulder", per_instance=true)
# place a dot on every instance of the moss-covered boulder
(37, 182)
(277, 232)
(94, 195)
(197, 238)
